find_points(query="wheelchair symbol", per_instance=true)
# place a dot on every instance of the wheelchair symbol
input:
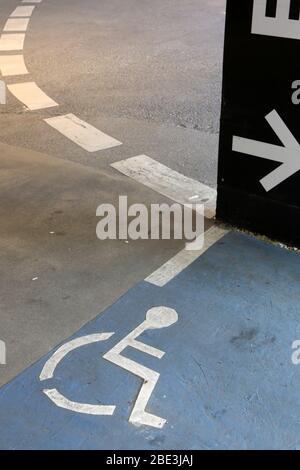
(158, 317)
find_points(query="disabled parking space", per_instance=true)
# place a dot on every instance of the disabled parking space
(202, 363)
(56, 274)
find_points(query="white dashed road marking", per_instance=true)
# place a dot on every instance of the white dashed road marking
(31, 95)
(12, 65)
(23, 11)
(81, 133)
(184, 258)
(16, 24)
(168, 182)
(12, 42)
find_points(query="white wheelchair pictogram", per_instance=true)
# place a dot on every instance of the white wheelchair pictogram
(156, 318)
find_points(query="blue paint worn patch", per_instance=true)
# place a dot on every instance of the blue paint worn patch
(227, 380)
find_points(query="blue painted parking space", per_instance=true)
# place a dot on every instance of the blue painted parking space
(202, 363)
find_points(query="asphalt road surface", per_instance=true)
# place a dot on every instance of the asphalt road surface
(146, 72)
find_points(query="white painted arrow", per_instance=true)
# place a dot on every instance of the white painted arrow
(289, 155)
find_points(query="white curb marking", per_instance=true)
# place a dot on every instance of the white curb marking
(82, 133)
(16, 24)
(12, 65)
(184, 258)
(12, 42)
(168, 182)
(31, 95)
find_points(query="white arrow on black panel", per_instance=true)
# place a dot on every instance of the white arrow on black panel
(289, 155)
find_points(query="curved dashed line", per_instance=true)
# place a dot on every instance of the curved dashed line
(12, 39)
(28, 93)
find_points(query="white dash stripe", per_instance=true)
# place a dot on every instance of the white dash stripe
(82, 133)
(168, 182)
(12, 42)
(184, 258)
(12, 65)
(23, 11)
(31, 95)
(31, 1)
(16, 24)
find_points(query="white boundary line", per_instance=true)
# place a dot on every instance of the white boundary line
(82, 133)
(168, 182)
(184, 258)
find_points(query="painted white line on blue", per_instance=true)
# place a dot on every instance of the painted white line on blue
(31, 95)
(24, 11)
(16, 24)
(168, 182)
(62, 402)
(12, 42)
(184, 258)
(157, 317)
(82, 133)
(12, 65)
(50, 366)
